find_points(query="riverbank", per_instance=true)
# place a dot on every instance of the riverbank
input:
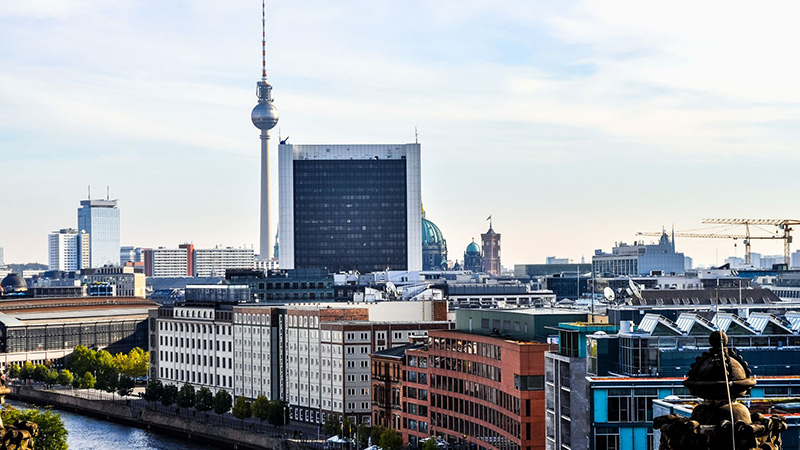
(132, 413)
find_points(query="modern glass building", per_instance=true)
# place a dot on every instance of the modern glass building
(100, 219)
(350, 207)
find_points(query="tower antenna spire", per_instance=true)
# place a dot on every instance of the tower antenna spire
(263, 41)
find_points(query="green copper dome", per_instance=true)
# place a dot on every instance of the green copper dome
(431, 235)
(473, 249)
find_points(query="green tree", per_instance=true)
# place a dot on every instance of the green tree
(50, 377)
(278, 415)
(14, 371)
(40, 373)
(186, 396)
(332, 426)
(241, 409)
(430, 444)
(52, 433)
(203, 400)
(169, 395)
(65, 377)
(222, 401)
(390, 440)
(26, 373)
(82, 360)
(88, 381)
(107, 381)
(125, 386)
(260, 408)
(375, 433)
(153, 391)
(76, 382)
(133, 364)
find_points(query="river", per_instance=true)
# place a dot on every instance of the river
(89, 433)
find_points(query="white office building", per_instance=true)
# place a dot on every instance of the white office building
(68, 250)
(213, 262)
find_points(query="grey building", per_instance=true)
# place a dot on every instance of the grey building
(640, 259)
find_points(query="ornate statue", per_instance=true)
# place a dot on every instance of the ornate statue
(717, 376)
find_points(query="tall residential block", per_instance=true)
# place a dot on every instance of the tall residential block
(68, 250)
(100, 219)
(350, 207)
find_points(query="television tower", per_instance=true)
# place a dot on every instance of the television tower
(264, 117)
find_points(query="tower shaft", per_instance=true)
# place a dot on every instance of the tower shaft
(266, 223)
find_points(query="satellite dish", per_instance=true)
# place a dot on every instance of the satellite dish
(635, 289)
(608, 293)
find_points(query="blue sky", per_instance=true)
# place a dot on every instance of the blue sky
(574, 124)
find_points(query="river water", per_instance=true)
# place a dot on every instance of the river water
(90, 433)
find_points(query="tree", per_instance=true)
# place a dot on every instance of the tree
(430, 444)
(222, 401)
(26, 373)
(14, 371)
(332, 426)
(241, 409)
(390, 440)
(186, 396)
(50, 377)
(260, 408)
(107, 381)
(52, 433)
(76, 382)
(203, 400)
(278, 413)
(125, 386)
(65, 377)
(169, 395)
(375, 433)
(133, 364)
(88, 381)
(40, 373)
(153, 391)
(82, 360)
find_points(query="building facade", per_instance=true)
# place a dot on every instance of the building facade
(213, 262)
(640, 259)
(168, 262)
(68, 250)
(350, 207)
(126, 281)
(100, 219)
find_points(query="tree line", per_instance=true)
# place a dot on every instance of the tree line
(385, 438)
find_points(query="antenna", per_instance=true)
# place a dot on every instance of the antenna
(108, 193)
(263, 41)
(608, 293)
(416, 136)
(89, 188)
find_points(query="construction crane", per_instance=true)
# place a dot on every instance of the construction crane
(745, 237)
(782, 224)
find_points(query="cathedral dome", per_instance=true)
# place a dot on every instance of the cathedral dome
(13, 283)
(473, 249)
(431, 235)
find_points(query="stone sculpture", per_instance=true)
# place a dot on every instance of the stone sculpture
(709, 427)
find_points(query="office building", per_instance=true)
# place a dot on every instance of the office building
(350, 207)
(640, 259)
(169, 262)
(100, 219)
(126, 282)
(213, 262)
(130, 254)
(68, 249)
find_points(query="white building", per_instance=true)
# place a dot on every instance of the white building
(213, 262)
(192, 344)
(350, 207)
(68, 250)
(168, 262)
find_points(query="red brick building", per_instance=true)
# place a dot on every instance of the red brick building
(483, 391)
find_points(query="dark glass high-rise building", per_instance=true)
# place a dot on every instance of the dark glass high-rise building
(350, 207)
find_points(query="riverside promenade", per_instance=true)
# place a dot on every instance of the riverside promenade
(223, 431)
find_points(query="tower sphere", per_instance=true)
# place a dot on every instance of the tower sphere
(264, 116)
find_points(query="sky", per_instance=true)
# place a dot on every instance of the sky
(573, 124)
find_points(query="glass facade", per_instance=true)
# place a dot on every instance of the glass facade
(100, 219)
(350, 215)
